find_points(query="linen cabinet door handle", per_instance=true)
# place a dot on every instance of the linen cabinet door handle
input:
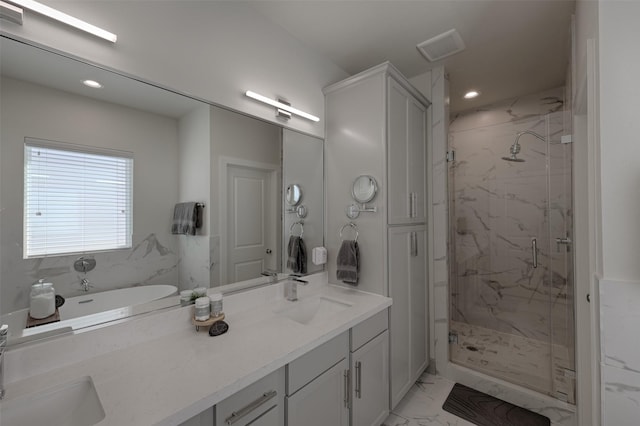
(237, 415)
(414, 204)
(414, 244)
(346, 389)
(411, 204)
(534, 252)
(359, 380)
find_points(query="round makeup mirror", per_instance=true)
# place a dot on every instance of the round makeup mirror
(364, 189)
(294, 194)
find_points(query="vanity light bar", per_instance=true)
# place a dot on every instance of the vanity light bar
(65, 19)
(281, 105)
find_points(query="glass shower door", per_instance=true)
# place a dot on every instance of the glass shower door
(508, 287)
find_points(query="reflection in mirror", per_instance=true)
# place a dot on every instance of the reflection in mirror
(303, 163)
(183, 150)
(293, 194)
(364, 189)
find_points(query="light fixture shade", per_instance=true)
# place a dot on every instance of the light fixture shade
(281, 105)
(66, 19)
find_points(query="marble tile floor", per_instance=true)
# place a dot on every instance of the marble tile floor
(422, 405)
(526, 362)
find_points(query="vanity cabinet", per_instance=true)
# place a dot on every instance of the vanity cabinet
(406, 156)
(408, 314)
(370, 371)
(259, 404)
(318, 385)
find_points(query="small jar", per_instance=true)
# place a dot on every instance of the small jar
(203, 310)
(186, 297)
(42, 300)
(216, 304)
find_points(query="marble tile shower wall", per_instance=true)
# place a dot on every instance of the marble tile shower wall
(497, 207)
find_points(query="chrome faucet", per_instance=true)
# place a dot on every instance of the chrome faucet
(291, 287)
(85, 284)
(273, 275)
(4, 329)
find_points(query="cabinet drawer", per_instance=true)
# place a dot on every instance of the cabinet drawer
(368, 329)
(312, 364)
(247, 405)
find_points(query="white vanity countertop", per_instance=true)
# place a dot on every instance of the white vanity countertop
(169, 379)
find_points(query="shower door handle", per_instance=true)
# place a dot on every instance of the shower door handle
(534, 252)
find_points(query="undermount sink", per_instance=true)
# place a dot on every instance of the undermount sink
(74, 403)
(312, 310)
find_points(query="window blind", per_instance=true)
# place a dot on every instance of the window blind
(76, 199)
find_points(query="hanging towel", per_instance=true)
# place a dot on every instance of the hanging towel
(297, 255)
(186, 219)
(348, 262)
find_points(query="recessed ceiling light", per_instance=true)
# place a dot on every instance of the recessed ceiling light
(471, 94)
(92, 83)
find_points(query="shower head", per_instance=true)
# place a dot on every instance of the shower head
(515, 148)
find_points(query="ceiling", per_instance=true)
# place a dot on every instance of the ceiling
(513, 47)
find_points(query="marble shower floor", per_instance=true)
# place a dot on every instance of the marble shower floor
(525, 362)
(422, 405)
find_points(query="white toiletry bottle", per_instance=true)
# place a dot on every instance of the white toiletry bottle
(216, 304)
(42, 300)
(202, 308)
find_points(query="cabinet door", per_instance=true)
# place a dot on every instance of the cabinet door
(370, 378)
(406, 156)
(323, 401)
(407, 323)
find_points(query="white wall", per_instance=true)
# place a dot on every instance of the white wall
(194, 167)
(619, 105)
(215, 50)
(30, 110)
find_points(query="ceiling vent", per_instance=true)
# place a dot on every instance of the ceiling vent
(441, 46)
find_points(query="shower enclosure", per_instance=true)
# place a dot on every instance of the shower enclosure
(511, 282)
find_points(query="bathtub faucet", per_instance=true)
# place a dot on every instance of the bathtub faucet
(85, 284)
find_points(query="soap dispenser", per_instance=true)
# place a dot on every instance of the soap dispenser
(42, 300)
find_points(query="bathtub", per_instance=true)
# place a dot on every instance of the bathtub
(94, 308)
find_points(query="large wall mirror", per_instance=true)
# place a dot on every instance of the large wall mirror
(183, 150)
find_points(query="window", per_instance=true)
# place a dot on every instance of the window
(76, 199)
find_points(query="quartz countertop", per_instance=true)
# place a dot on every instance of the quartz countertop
(171, 378)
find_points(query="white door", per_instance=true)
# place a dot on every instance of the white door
(250, 213)
(370, 375)
(321, 402)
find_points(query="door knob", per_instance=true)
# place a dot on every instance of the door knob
(268, 251)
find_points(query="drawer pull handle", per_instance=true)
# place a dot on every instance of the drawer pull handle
(237, 415)
(345, 374)
(359, 380)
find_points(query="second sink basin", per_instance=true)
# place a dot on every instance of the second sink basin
(312, 310)
(71, 404)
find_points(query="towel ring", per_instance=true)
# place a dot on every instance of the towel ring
(301, 228)
(352, 225)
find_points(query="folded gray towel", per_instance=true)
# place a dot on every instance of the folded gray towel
(187, 218)
(348, 262)
(297, 255)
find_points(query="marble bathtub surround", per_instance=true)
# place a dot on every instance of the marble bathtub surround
(497, 209)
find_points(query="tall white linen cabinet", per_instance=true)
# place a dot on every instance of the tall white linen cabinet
(376, 125)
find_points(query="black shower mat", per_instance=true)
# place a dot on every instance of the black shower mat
(485, 410)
